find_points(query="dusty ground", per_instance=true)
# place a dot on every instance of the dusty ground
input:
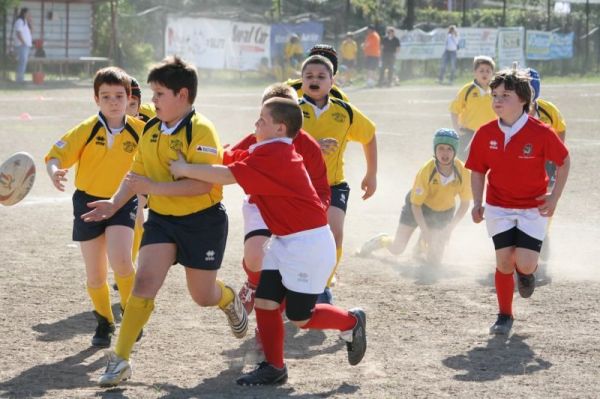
(427, 329)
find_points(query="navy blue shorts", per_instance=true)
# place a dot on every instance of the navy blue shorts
(372, 63)
(85, 231)
(340, 193)
(200, 237)
(434, 219)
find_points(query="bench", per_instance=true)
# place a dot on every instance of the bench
(88, 63)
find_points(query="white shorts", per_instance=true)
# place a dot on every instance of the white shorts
(252, 218)
(529, 221)
(305, 260)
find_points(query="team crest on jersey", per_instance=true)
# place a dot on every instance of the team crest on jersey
(129, 146)
(176, 145)
(493, 145)
(527, 149)
(100, 140)
(338, 117)
(154, 138)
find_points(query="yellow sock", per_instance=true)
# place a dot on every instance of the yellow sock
(125, 285)
(101, 300)
(136, 316)
(227, 295)
(138, 232)
(338, 257)
(386, 241)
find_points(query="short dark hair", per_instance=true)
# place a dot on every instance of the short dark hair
(175, 74)
(280, 90)
(517, 81)
(318, 60)
(326, 51)
(112, 76)
(287, 112)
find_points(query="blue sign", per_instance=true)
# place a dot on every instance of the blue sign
(310, 33)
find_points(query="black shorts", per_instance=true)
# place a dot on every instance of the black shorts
(372, 63)
(298, 306)
(200, 237)
(434, 219)
(516, 238)
(85, 231)
(260, 232)
(340, 193)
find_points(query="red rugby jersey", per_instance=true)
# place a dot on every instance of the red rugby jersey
(275, 177)
(310, 150)
(517, 174)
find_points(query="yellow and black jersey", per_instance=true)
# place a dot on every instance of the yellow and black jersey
(341, 121)
(147, 112)
(429, 188)
(335, 91)
(101, 161)
(550, 115)
(473, 106)
(196, 138)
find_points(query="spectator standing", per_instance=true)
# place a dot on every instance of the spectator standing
(372, 50)
(449, 56)
(390, 47)
(349, 53)
(22, 42)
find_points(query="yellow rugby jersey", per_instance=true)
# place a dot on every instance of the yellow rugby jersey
(196, 138)
(99, 169)
(335, 91)
(550, 115)
(147, 111)
(341, 121)
(292, 49)
(472, 108)
(349, 50)
(429, 190)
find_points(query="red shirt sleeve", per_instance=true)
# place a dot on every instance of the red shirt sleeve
(315, 166)
(476, 160)
(556, 151)
(244, 143)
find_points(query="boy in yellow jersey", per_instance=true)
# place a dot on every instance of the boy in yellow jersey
(187, 223)
(328, 52)
(147, 112)
(430, 203)
(472, 106)
(349, 53)
(103, 147)
(548, 113)
(330, 118)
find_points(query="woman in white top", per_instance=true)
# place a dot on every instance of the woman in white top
(22, 42)
(449, 56)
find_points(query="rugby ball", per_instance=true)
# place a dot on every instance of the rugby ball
(17, 175)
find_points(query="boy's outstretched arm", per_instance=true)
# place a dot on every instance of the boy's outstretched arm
(460, 213)
(369, 183)
(104, 209)
(180, 188)
(217, 174)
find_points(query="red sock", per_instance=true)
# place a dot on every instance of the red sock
(253, 277)
(329, 317)
(272, 334)
(505, 286)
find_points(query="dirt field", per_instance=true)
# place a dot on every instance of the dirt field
(427, 330)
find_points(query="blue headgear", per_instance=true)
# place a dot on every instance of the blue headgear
(535, 83)
(445, 136)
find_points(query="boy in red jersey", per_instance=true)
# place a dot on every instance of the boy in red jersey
(512, 152)
(256, 232)
(301, 254)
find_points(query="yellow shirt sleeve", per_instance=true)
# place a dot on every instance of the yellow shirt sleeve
(420, 189)
(362, 128)
(458, 104)
(68, 149)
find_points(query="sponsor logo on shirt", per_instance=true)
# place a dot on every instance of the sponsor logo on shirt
(419, 190)
(493, 145)
(303, 277)
(210, 150)
(100, 140)
(154, 138)
(339, 117)
(527, 152)
(306, 114)
(343, 198)
(132, 215)
(60, 144)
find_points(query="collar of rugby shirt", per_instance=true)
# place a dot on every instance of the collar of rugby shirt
(510, 131)
(110, 137)
(285, 140)
(318, 111)
(482, 91)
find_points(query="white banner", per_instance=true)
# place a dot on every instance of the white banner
(420, 45)
(218, 44)
(511, 44)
